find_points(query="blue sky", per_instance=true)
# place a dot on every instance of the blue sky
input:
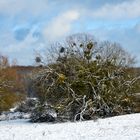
(27, 26)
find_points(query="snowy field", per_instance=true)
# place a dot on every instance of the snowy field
(125, 127)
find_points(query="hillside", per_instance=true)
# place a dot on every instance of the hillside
(126, 127)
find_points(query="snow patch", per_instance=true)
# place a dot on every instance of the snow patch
(126, 127)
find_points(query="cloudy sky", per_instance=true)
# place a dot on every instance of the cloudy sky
(27, 26)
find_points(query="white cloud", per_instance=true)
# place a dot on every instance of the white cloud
(127, 9)
(14, 7)
(60, 25)
(137, 27)
(22, 50)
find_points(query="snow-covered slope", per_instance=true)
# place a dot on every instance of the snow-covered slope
(125, 127)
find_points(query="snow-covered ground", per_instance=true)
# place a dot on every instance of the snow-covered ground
(125, 127)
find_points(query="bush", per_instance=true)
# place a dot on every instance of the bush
(10, 86)
(27, 106)
(80, 85)
(8, 100)
(43, 113)
(21, 110)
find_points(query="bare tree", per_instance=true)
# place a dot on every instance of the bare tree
(4, 61)
(84, 45)
(86, 79)
(114, 53)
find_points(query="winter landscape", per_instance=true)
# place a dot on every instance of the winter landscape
(69, 70)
